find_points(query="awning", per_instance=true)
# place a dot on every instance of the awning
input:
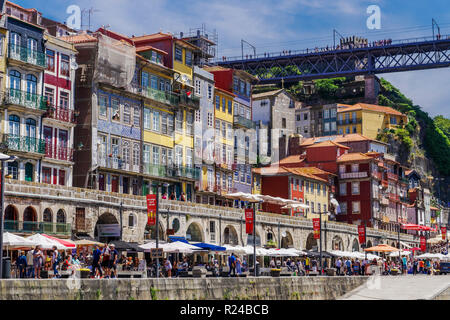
(410, 226)
(66, 243)
(181, 239)
(125, 246)
(208, 246)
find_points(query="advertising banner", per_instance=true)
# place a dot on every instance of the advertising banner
(423, 244)
(316, 228)
(362, 234)
(151, 209)
(249, 219)
(444, 233)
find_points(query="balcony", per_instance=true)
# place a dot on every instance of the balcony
(394, 197)
(392, 176)
(157, 170)
(38, 227)
(58, 152)
(61, 114)
(353, 175)
(376, 175)
(27, 55)
(186, 172)
(27, 100)
(240, 121)
(161, 96)
(114, 162)
(24, 144)
(190, 101)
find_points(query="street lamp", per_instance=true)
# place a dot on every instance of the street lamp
(3, 158)
(158, 185)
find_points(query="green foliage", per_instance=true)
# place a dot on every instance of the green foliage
(443, 124)
(326, 87)
(153, 293)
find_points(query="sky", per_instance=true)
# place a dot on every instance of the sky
(275, 25)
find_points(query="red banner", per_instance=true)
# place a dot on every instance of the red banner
(423, 244)
(316, 228)
(249, 219)
(444, 233)
(151, 209)
(362, 234)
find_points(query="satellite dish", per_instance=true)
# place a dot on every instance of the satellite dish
(73, 65)
(283, 234)
(184, 78)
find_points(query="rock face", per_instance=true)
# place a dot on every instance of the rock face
(263, 288)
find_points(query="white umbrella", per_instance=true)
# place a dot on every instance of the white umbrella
(180, 247)
(11, 240)
(235, 249)
(395, 254)
(295, 206)
(46, 243)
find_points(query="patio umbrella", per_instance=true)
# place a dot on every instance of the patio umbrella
(11, 240)
(46, 243)
(180, 247)
(235, 249)
(403, 253)
(86, 243)
(382, 248)
(67, 243)
(208, 246)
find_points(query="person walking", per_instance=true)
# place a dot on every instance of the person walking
(272, 263)
(56, 258)
(96, 255)
(238, 266)
(30, 267)
(232, 264)
(168, 268)
(113, 257)
(22, 264)
(338, 266)
(38, 260)
(105, 261)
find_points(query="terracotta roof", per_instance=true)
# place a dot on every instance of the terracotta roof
(79, 38)
(374, 107)
(225, 91)
(17, 6)
(154, 36)
(310, 172)
(291, 159)
(353, 157)
(215, 68)
(266, 94)
(349, 108)
(272, 170)
(352, 137)
(147, 48)
(327, 144)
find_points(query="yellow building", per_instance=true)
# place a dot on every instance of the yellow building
(368, 119)
(224, 140)
(3, 53)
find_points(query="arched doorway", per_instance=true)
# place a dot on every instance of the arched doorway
(107, 228)
(337, 243)
(29, 220)
(311, 243)
(48, 219)
(286, 240)
(230, 236)
(11, 222)
(150, 232)
(194, 233)
(355, 245)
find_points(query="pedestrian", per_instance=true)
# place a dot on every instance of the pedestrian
(56, 258)
(30, 267)
(272, 263)
(105, 260)
(168, 268)
(172, 196)
(238, 266)
(113, 257)
(21, 264)
(96, 255)
(38, 261)
(338, 266)
(232, 264)
(182, 197)
(421, 266)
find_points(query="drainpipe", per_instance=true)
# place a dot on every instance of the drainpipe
(220, 229)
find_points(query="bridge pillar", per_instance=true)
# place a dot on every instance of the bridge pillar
(372, 89)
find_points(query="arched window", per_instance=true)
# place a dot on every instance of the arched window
(126, 152)
(30, 126)
(47, 215)
(14, 125)
(31, 84)
(61, 216)
(14, 81)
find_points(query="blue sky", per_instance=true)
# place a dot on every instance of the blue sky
(278, 25)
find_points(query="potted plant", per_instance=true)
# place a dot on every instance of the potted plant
(271, 244)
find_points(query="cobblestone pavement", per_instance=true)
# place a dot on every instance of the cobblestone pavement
(400, 288)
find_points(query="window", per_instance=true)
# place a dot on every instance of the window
(163, 156)
(223, 104)
(31, 86)
(188, 58)
(343, 189)
(355, 207)
(354, 129)
(65, 60)
(50, 56)
(198, 87)
(131, 220)
(179, 121)
(13, 170)
(343, 206)
(126, 152)
(324, 208)
(170, 124)
(224, 130)
(235, 84)
(164, 128)
(312, 207)
(50, 95)
(393, 120)
(32, 46)
(326, 114)
(210, 119)
(283, 123)
(178, 54)
(347, 130)
(307, 186)
(189, 157)
(46, 175)
(297, 117)
(154, 82)
(209, 91)
(136, 154)
(355, 167)
(155, 126)
(155, 155)
(102, 103)
(147, 119)
(178, 156)
(145, 80)
(115, 109)
(355, 187)
(333, 113)
(189, 123)
(146, 154)
(229, 132)
(327, 127)
(242, 87)
(333, 126)
(305, 116)
(217, 102)
(236, 175)
(136, 116)
(62, 177)
(15, 78)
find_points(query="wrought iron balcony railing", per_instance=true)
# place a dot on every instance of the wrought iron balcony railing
(27, 55)
(244, 122)
(26, 99)
(61, 114)
(23, 143)
(58, 152)
(37, 227)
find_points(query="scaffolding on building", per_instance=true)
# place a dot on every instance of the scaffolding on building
(207, 41)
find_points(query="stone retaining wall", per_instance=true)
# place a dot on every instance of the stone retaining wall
(262, 288)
